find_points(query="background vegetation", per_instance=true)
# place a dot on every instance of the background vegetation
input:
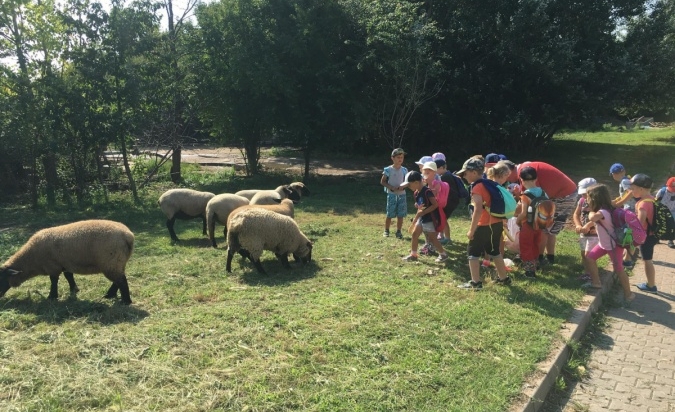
(357, 329)
(348, 76)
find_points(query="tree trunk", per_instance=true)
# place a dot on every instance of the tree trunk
(308, 152)
(175, 164)
(127, 169)
(51, 176)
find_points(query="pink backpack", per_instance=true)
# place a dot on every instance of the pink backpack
(626, 222)
(442, 194)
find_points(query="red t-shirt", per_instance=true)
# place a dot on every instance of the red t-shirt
(555, 183)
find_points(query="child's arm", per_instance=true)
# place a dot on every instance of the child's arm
(430, 208)
(384, 181)
(642, 214)
(577, 219)
(619, 201)
(477, 201)
(524, 203)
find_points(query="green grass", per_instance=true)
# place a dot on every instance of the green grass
(357, 329)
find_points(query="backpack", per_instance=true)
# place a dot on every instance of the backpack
(541, 212)
(503, 204)
(663, 225)
(628, 231)
(438, 219)
(443, 193)
(457, 189)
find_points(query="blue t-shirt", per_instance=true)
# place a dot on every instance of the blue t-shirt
(395, 177)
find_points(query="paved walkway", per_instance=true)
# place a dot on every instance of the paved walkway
(633, 367)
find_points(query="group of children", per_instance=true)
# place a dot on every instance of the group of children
(592, 215)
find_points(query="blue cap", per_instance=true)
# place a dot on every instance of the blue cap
(616, 168)
(492, 158)
(424, 159)
(502, 157)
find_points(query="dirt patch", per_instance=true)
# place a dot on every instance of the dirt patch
(218, 157)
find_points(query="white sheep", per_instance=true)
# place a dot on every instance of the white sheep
(86, 247)
(184, 204)
(218, 209)
(253, 230)
(297, 186)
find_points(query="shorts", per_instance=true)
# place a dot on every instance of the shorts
(486, 239)
(616, 255)
(563, 208)
(647, 248)
(397, 205)
(427, 227)
(587, 243)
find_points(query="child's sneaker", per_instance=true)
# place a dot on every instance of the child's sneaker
(646, 288)
(471, 285)
(671, 244)
(399, 235)
(504, 282)
(410, 258)
(445, 241)
(628, 263)
(427, 250)
(386, 233)
(442, 258)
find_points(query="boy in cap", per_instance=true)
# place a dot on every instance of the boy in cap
(397, 203)
(640, 186)
(485, 233)
(666, 196)
(427, 214)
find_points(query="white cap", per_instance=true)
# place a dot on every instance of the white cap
(584, 184)
(430, 165)
(424, 160)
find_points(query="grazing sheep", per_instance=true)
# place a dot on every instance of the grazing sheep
(86, 247)
(299, 187)
(257, 229)
(218, 209)
(285, 207)
(268, 197)
(184, 204)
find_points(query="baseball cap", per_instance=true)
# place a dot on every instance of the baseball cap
(430, 165)
(492, 158)
(424, 159)
(472, 164)
(413, 176)
(616, 168)
(584, 184)
(397, 151)
(642, 180)
(502, 157)
(528, 173)
(438, 156)
(670, 186)
(440, 163)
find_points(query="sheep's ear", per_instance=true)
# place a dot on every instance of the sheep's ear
(277, 200)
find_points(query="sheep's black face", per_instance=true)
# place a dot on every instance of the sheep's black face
(307, 258)
(4, 281)
(292, 194)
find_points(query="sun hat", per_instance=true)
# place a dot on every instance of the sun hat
(472, 164)
(642, 180)
(430, 166)
(438, 156)
(423, 160)
(528, 173)
(670, 186)
(616, 168)
(584, 184)
(397, 151)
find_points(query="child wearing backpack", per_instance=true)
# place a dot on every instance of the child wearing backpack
(666, 196)
(440, 190)
(641, 186)
(530, 233)
(427, 216)
(485, 232)
(625, 199)
(600, 203)
(456, 193)
(588, 238)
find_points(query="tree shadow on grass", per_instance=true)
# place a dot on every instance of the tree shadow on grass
(58, 312)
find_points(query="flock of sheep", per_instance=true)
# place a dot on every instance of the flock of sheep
(254, 221)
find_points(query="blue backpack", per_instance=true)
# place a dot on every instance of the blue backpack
(503, 204)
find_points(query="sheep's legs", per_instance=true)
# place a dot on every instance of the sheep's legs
(71, 282)
(112, 292)
(283, 258)
(119, 283)
(230, 255)
(258, 266)
(54, 289)
(204, 224)
(169, 225)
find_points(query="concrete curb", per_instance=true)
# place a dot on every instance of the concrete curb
(572, 330)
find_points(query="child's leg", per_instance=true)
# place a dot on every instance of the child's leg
(647, 252)
(433, 238)
(596, 253)
(387, 223)
(493, 249)
(650, 272)
(617, 262)
(474, 268)
(415, 238)
(399, 223)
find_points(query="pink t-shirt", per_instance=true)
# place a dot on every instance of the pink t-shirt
(648, 207)
(605, 230)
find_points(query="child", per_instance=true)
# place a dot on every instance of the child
(397, 203)
(424, 159)
(530, 238)
(625, 199)
(453, 199)
(588, 238)
(485, 232)
(427, 214)
(600, 203)
(666, 196)
(641, 186)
